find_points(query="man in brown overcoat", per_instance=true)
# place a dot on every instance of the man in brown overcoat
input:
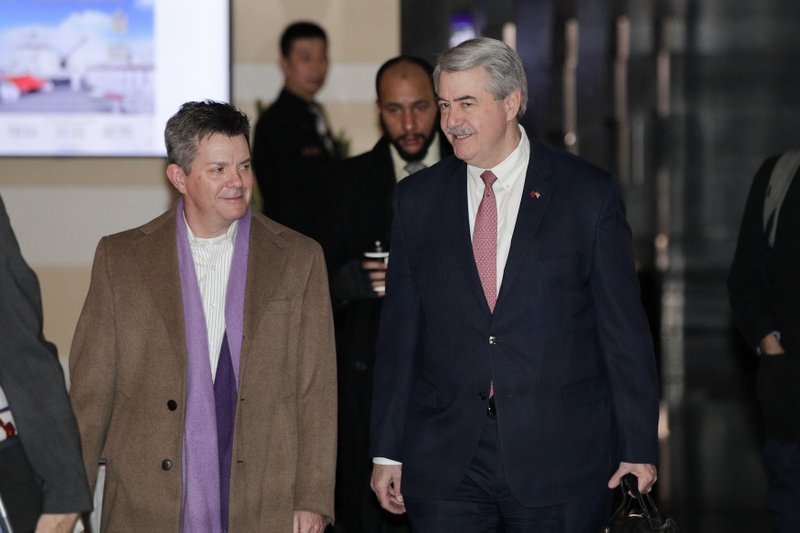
(203, 368)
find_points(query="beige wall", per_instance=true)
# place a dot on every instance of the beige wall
(60, 207)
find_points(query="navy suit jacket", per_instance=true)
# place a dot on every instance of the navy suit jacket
(567, 348)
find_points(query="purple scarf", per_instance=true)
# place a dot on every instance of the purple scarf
(200, 510)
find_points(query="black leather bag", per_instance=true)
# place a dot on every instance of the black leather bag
(638, 512)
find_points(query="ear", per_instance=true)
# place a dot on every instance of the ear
(283, 63)
(176, 177)
(512, 102)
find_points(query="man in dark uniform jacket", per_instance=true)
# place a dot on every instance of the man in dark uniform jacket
(764, 290)
(359, 213)
(38, 418)
(292, 144)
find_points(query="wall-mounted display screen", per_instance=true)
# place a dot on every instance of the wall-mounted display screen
(101, 77)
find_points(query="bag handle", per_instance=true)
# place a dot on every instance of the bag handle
(649, 510)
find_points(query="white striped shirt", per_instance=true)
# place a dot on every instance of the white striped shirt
(212, 263)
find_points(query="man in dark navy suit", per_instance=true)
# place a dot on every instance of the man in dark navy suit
(515, 380)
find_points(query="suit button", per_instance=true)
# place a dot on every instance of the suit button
(492, 340)
(166, 464)
(483, 396)
(172, 405)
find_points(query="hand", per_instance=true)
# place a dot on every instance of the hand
(385, 484)
(308, 522)
(376, 270)
(56, 523)
(770, 345)
(645, 473)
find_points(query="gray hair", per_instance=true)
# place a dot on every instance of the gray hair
(504, 66)
(195, 121)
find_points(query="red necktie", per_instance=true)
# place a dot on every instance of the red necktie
(484, 240)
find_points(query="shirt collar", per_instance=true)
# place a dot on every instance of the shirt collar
(229, 236)
(433, 156)
(505, 169)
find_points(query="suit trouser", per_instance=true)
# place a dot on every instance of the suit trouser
(782, 466)
(483, 502)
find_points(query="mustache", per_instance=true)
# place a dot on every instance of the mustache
(230, 194)
(460, 131)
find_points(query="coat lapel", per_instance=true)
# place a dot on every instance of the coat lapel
(265, 265)
(157, 257)
(453, 195)
(533, 204)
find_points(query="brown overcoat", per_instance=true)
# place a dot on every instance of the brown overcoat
(128, 371)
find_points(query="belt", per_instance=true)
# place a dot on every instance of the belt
(491, 409)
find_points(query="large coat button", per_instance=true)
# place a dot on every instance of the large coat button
(172, 405)
(166, 464)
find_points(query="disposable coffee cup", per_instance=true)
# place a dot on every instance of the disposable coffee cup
(377, 252)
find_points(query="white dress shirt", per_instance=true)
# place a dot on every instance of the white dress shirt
(508, 189)
(212, 263)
